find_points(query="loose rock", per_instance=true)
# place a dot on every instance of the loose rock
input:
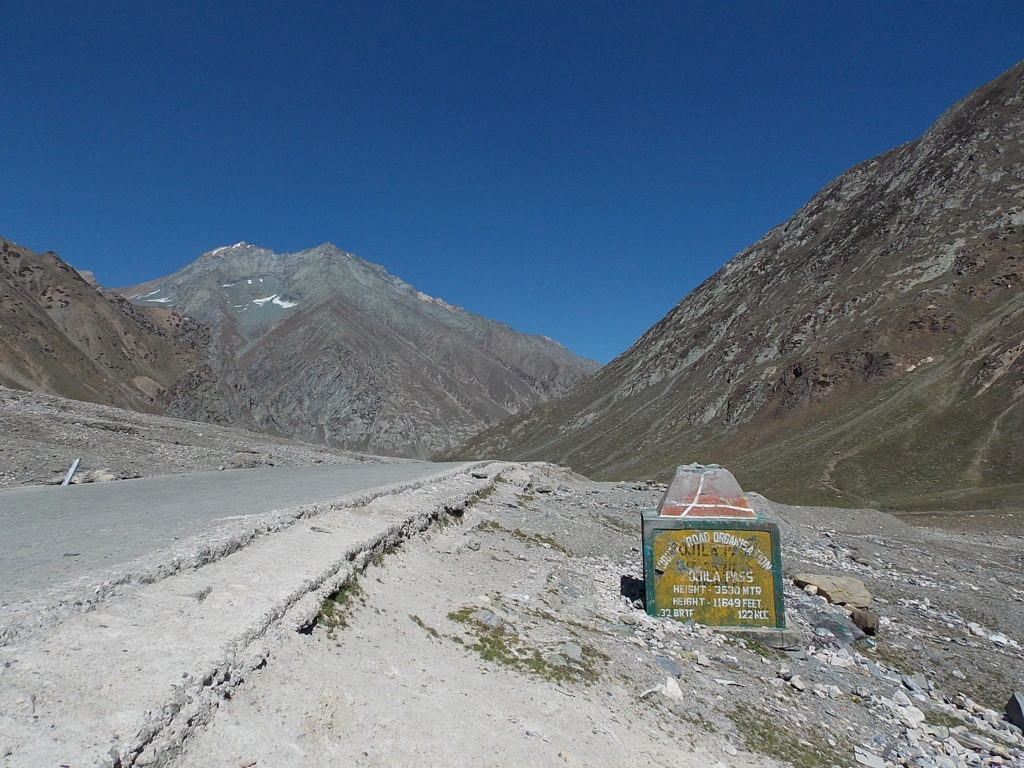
(1015, 710)
(671, 689)
(865, 620)
(487, 618)
(841, 590)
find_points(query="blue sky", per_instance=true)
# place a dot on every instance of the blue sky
(571, 168)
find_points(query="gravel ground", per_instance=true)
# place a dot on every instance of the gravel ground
(515, 638)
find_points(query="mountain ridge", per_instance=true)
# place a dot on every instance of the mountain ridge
(64, 335)
(383, 367)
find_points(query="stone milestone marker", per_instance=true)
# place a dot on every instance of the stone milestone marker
(709, 557)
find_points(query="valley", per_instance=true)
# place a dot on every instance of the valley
(325, 518)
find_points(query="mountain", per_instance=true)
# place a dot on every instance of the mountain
(63, 335)
(869, 351)
(331, 348)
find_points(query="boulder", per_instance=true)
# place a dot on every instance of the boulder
(865, 620)
(669, 665)
(1015, 710)
(829, 623)
(841, 590)
(98, 476)
(571, 650)
(488, 618)
(672, 690)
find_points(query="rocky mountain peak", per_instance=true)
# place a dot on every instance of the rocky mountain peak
(328, 248)
(333, 348)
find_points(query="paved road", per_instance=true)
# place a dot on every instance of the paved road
(52, 534)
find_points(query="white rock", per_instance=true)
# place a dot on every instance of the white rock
(867, 758)
(912, 716)
(672, 690)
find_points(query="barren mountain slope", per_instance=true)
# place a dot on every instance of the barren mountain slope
(43, 434)
(868, 351)
(334, 349)
(63, 335)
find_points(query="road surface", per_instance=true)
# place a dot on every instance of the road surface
(52, 534)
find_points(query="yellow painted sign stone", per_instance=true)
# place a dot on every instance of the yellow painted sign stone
(709, 557)
(718, 577)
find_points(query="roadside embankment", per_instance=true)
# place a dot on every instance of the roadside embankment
(123, 681)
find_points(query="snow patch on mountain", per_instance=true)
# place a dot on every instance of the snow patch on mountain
(150, 298)
(275, 299)
(240, 244)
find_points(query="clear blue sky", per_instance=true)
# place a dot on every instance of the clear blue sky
(571, 168)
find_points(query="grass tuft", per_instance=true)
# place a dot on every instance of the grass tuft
(423, 625)
(764, 735)
(336, 608)
(499, 646)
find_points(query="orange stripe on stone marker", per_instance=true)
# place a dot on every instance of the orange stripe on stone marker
(699, 490)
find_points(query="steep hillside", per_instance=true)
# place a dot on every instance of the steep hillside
(62, 335)
(332, 348)
(869, 351)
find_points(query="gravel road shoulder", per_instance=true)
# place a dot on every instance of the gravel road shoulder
(516, 638)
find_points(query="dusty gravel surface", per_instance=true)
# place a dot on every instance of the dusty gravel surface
(394, 679)
(513, 638)
(42, 434)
